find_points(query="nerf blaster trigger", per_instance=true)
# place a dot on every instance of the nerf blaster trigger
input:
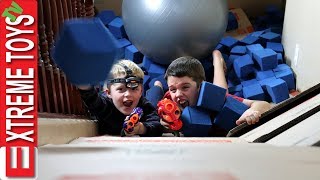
(134, 117)
(170, 113)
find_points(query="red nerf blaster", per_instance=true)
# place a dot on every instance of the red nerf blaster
(134, 117)
(170, 113)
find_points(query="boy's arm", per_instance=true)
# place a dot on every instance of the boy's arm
(151, 120)
(95, 103)
(252, 115)
(219, 65)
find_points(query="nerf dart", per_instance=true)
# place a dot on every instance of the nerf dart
(170, 113)
(134, 117)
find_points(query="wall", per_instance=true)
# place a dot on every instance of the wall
(301, 39)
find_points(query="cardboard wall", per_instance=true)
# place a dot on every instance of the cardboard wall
(301, 41)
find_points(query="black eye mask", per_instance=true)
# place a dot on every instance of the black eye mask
(130, 80)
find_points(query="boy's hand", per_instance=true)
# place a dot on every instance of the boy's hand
(139, 128)
(250, 116)
(218, 60)
(166, 128)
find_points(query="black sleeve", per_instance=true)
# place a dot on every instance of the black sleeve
(96, 104)
(150, 120)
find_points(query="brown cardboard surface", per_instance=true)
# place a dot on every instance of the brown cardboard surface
(177, 160)
(244, 25)
(64, 130)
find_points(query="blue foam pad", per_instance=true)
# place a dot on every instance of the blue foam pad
(266, 58)
(156, 70)
(162, 80)
(229, 42)
(146, 62)
(211, 97)
(230, 113)
(260, 75)
(243, 66)
(253, 92)
(277, 47)
(85, 50)
(238, 50)
(249, 82)
(277, 90)
(253, 47)
(196, 122)
(123, 42)
(208, 68)
(132, 53)
(288, 77)
(281, 67)
(280, 58)
(248, 40)
(106, 16)
(116, 27)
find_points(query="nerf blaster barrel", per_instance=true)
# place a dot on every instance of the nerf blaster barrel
(133, 119)
(170, 113)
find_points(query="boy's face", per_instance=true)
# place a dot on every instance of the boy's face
(125, 99)
(183, 90)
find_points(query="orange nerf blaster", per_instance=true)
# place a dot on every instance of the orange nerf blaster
(134, 117)
(170, 113)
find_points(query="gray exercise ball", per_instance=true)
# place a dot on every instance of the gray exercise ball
(164, 30)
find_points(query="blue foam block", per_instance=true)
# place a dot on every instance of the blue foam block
(230, 60)
(280, 58)
(257, 33)
(281, 67)
(234, 89)
(230, 113)
(132, 53)
(277, 90)
(162, 80)
(211, 97)
(156, 70)
(86, 58)
(146, 80)
(243, 66)
(253, 92)
(146, 62)
(288, 77)
(116, 27)
(271, 37)
(260, 75)
(196, 122)
(229, 42)
(123, 42)
(248, 40)
(221, 48)
(253, 47)
(266, 58)
(263, 82)
(238, 50)
(106, 16)
(249, 82)
(277, 47)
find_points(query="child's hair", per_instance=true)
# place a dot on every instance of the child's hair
(186, 66)
(118, 69)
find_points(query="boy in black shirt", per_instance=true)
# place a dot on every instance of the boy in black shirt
(124, 93)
